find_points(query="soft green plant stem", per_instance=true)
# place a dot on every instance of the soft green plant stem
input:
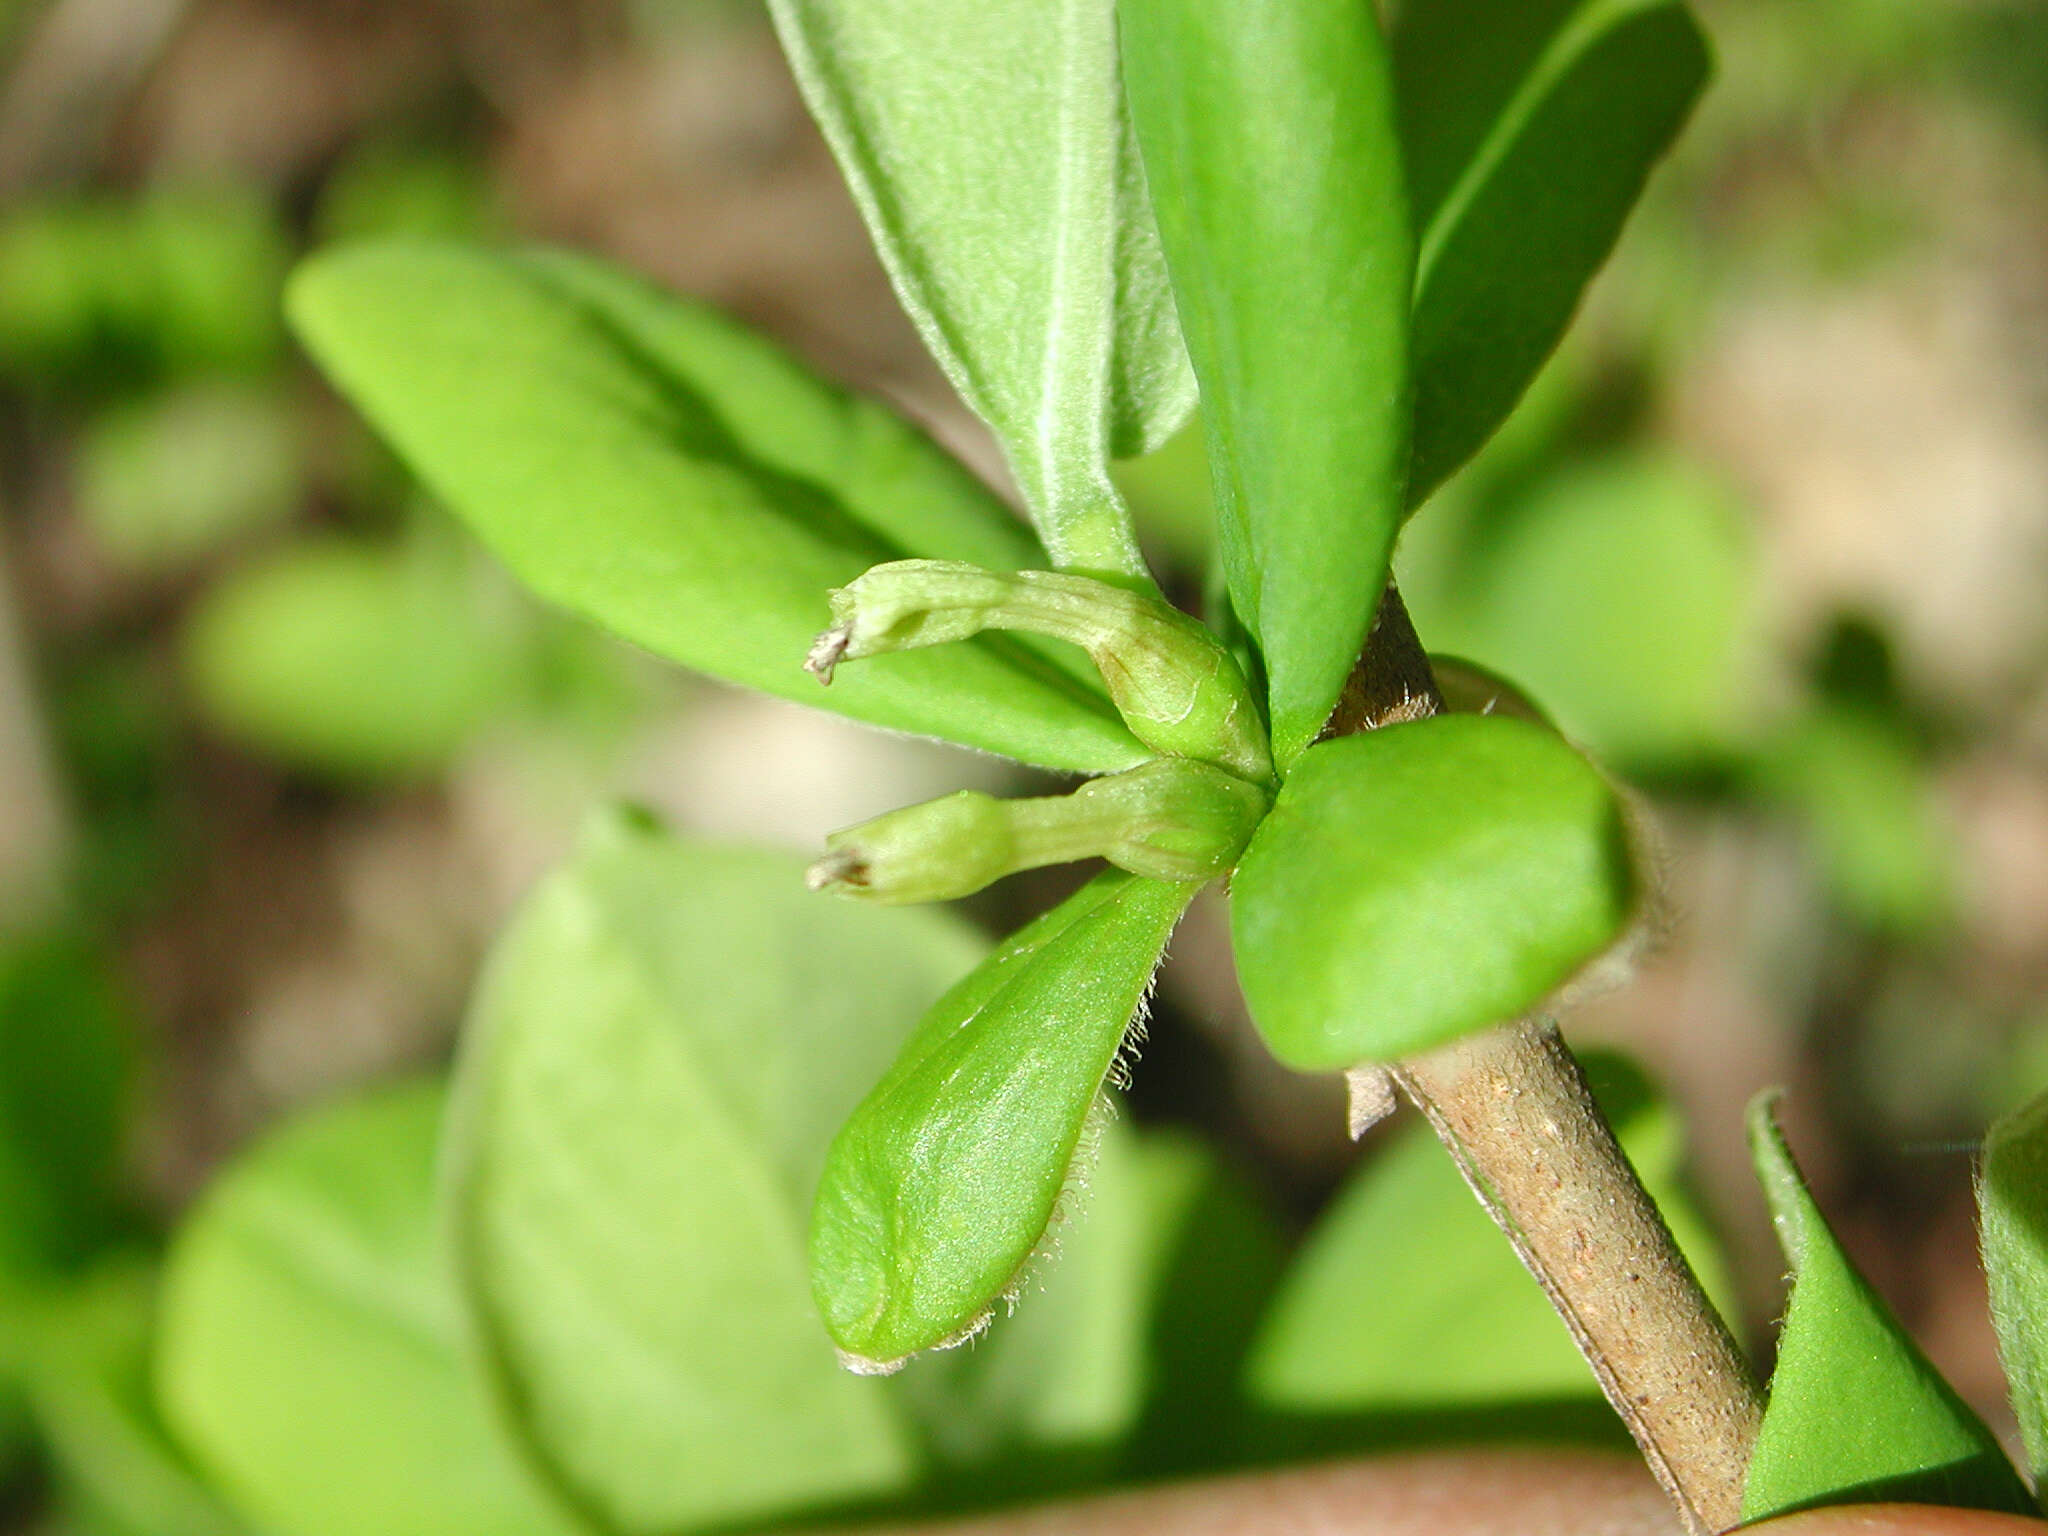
(1512, 1106)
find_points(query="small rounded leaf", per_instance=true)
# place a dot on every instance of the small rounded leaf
(1423, 881)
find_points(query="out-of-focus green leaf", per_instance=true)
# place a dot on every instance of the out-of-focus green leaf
(312, 1356)
(1405, 1299)
(1421, 881)
(361, 661)
(1857, 1414)
(1269, 143)
(2012, 1201)
(1620, 594)
(390, 187)
(167, 481)
(647, 464)
(987, 148)
(67, 1065)
(1217, 1254)
(116, 1470)
(1141, 1308)
(941, 1185)
(1173, 500)
(1866, 799)
(663, 1042)
(1528, 129)
(104, 292)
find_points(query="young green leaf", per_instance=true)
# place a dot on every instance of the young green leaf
(662, 1044)
(1560, 587)
(312, 1353)
(987, 148)
(1405, 1299)
(165, 483)
(941, 1186)
(1484, 863)
(1864, 794)
(67, 1065)
(1857, 1414)
(1528, 128)
(115, 1468)
(1269, 143)
(643, 462)
(358, 661)
(2012, 1198)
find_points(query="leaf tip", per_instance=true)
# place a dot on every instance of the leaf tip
(863, 1365)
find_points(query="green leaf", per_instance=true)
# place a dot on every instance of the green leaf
(115, 1467)
(117, 290)
(1423, 881)
(1866, 796)
(940, 1187)
(1041, 1403)
(2012, 1199)
(662, 1044)
(643, 462)
(1620, 593)
(1528, 128)
(1269, 142)
(1216, 1255)
(312, 1353)
(167, 482)
(1404, 1299)
(67, 1069)
(987, 148)
(1857, 1414)
(360, 661)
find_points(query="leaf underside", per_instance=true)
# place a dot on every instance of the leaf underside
(987, 148)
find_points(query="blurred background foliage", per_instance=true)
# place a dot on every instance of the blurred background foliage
(279, 748)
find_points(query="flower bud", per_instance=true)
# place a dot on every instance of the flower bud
(1176, 687)
(1169, 819)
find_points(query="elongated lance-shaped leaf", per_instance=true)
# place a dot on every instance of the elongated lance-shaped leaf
(987, 148)
(1528, 128)
(1422, 881)
(940, 1187)
(1269, 143)
(2012, 1199)
(647, 464)
(1857, 1413)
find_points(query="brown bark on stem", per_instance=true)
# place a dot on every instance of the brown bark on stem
(1512, 1107)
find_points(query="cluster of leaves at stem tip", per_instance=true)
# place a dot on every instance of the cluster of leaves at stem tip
(1353, 246)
